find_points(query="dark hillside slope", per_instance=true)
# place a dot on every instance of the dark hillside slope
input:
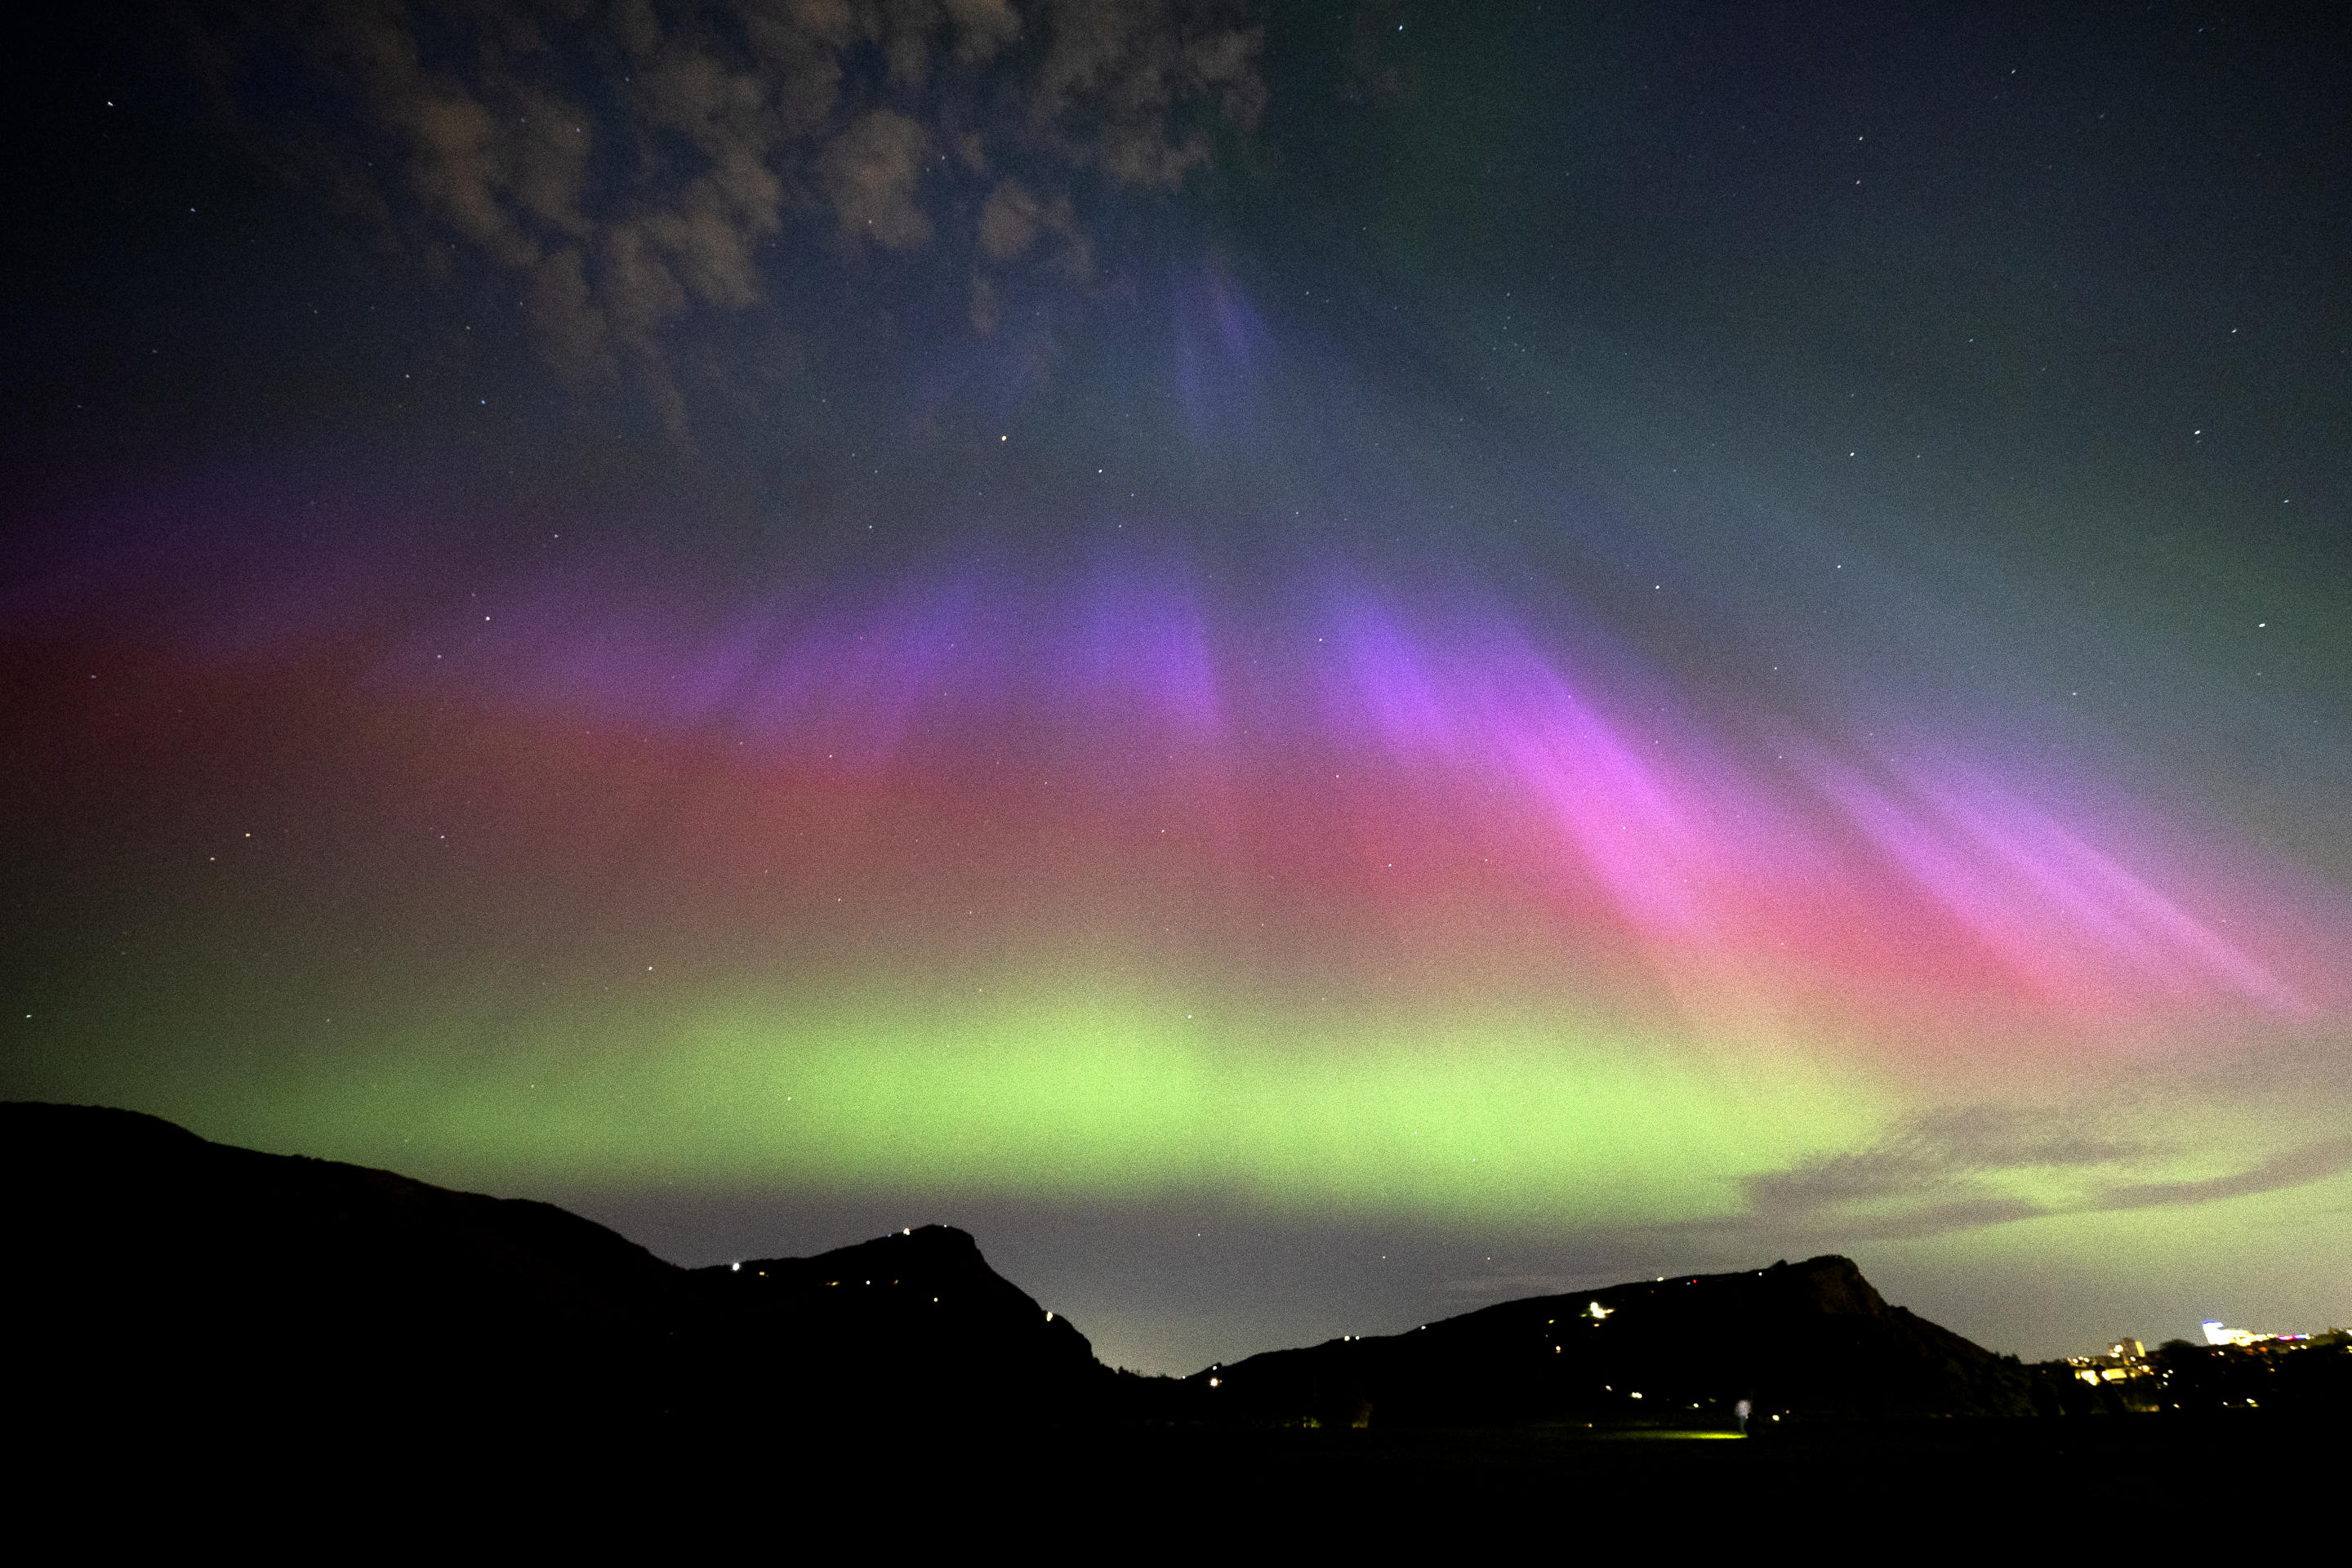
(1811, 1337)
(162, 1277)
(157, 1280)
(912, 1326)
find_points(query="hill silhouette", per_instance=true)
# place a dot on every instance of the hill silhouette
(197, 1284)
(177, 1284)
(1811, 1339)
(912, 1326)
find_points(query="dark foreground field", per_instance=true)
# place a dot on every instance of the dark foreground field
(1941, 1459)
(1154, 1492)
(212, 1343)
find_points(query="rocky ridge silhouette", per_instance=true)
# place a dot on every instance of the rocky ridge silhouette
(1811, 1339)
(163, 1277)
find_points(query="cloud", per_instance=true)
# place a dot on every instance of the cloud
(1928, 1161)
(1013, 220)
(2312, 1162)
(1938, 1171)
(634, 160)
(572, 329)
(870, 171)
(1008, 221)
(984, 29)
(1114, 78)
(1929, 1175)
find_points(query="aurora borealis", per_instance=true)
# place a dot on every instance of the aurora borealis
(1424, 660)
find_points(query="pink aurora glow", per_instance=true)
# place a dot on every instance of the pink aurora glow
(1385, 757)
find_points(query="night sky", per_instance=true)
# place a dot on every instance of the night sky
(1310, 665)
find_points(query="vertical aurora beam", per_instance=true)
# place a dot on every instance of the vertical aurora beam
(1088, 877)
(1387, 748)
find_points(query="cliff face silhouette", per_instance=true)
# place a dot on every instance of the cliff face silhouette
(1809, 1339)
(909, 1328)
(161, 1279)
(161, 1282)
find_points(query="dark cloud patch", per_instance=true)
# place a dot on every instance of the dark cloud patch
(635, 160)
(1927, 1169)
(1116, 83)
(1008, 221)
(1934, 1174)
(1934, 1218)
(2312, 1162)
(870, 172)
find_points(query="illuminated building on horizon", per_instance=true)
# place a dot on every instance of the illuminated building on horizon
(2215, 1334)
(2125, 1358)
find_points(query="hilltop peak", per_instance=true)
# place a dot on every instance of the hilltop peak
(1814, 1337)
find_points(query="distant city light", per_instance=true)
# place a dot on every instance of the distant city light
(2215, 1334)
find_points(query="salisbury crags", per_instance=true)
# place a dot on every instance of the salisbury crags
(1805, 1338)
(157, 1272)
